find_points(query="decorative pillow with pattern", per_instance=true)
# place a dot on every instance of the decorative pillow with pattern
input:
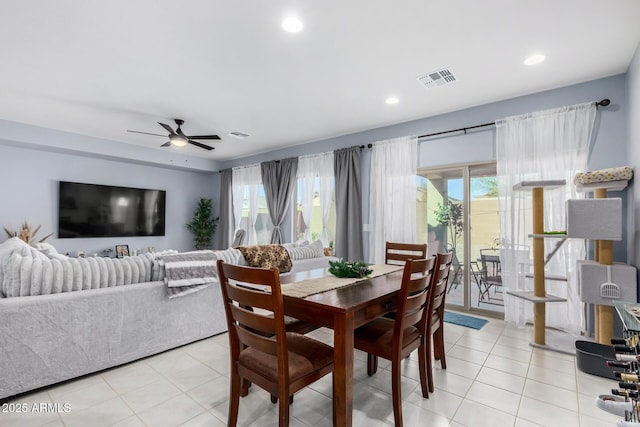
(267, 256)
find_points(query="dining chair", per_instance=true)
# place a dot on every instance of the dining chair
(395, 339)
(262, 351)
(399, 253)
(435, 326)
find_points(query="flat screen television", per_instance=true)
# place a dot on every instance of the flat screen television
(90, 210)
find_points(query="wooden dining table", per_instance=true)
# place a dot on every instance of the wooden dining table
(343, 310)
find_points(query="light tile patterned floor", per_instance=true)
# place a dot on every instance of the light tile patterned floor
(494, 378)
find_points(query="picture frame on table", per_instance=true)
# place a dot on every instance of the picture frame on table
(122, 251)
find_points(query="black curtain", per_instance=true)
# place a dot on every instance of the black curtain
(279, 180)
(348, 241)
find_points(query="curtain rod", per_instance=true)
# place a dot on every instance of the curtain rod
(601, 103)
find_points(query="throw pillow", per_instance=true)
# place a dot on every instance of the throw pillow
(267, 256)
(312, 250)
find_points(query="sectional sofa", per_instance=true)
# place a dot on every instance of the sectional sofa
(62, 318)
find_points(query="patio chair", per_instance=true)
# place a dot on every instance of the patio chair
(457, 270)
(488, 276)
(238, 238)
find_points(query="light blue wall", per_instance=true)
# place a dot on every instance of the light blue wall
(633, 120)
(34, 159)
(609, 150)
(29, 192)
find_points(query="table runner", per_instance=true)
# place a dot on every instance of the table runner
(310, 287)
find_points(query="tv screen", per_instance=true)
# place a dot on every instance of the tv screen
(90, 210)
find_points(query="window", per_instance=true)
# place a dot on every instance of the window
(250, 205)
(315, 204)
(310, 227)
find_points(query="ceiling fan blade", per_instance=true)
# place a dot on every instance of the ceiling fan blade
(168, 128)
(145, 133)
(197, 144)
(166, 144)
(205, 137)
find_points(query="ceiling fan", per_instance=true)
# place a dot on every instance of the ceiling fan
(179, 138)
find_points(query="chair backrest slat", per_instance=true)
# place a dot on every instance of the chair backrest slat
(416, 302)
(257, 341)
(399, 253)
(250, 297)
(264, 325)
(413, 297)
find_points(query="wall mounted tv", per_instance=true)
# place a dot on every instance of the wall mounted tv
(90, 210)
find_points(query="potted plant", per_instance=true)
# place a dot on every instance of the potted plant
(27, 234)
(203, 224)
(329, 250)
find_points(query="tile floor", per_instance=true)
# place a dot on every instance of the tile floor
(494, 378)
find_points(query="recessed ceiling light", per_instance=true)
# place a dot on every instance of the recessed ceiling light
(292, 25)
(534, 59)
(392, 100)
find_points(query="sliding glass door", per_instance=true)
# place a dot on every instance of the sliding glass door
(458, 211)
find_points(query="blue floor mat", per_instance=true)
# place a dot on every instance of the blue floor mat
(464, 320)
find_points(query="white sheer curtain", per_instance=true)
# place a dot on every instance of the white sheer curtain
(311, 168)
(392, 201)
(306, 178)
(550, 144)
(246, 183)
(327, 186)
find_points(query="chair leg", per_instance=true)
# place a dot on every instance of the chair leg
(244, 388)
(234, 400)
(429, 363)
(283, 412)
(438, 341)
(436, 350)
(274, 399)
(422, 362)
(396, 392)
(372, 364)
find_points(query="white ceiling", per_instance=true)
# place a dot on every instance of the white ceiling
(99, 68)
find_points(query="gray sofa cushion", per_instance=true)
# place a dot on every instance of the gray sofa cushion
(26, 271)
(311, 250)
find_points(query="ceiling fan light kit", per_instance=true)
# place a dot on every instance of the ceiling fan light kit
(179, 138)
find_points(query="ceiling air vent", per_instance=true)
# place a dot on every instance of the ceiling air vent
(238, 135)
(437, 78)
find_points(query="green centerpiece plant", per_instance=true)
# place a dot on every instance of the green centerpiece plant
(349, 269)
(203, 225)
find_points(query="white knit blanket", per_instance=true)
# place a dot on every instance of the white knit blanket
(188, 272)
